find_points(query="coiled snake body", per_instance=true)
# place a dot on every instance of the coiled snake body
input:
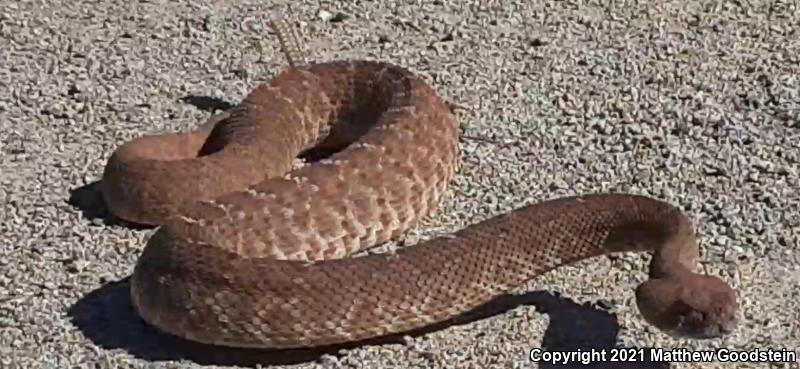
(250, 253)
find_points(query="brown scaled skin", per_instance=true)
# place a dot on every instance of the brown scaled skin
(251, 268)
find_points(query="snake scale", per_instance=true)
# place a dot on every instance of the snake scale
(251, 253)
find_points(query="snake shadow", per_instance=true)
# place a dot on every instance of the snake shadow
(207, 103)
(107, 317)
(89, 201)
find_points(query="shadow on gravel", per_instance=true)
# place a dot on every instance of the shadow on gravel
(206, 103)
(584, 327)
(108, 319)
(89, 201)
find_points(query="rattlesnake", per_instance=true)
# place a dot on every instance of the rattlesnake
(251, 253)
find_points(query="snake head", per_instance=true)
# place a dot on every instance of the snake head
(689, 306)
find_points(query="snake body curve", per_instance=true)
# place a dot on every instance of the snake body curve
(251, 253)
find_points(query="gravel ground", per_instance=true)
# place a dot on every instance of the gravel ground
(697, 103)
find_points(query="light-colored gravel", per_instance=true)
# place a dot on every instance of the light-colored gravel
(695, 102)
